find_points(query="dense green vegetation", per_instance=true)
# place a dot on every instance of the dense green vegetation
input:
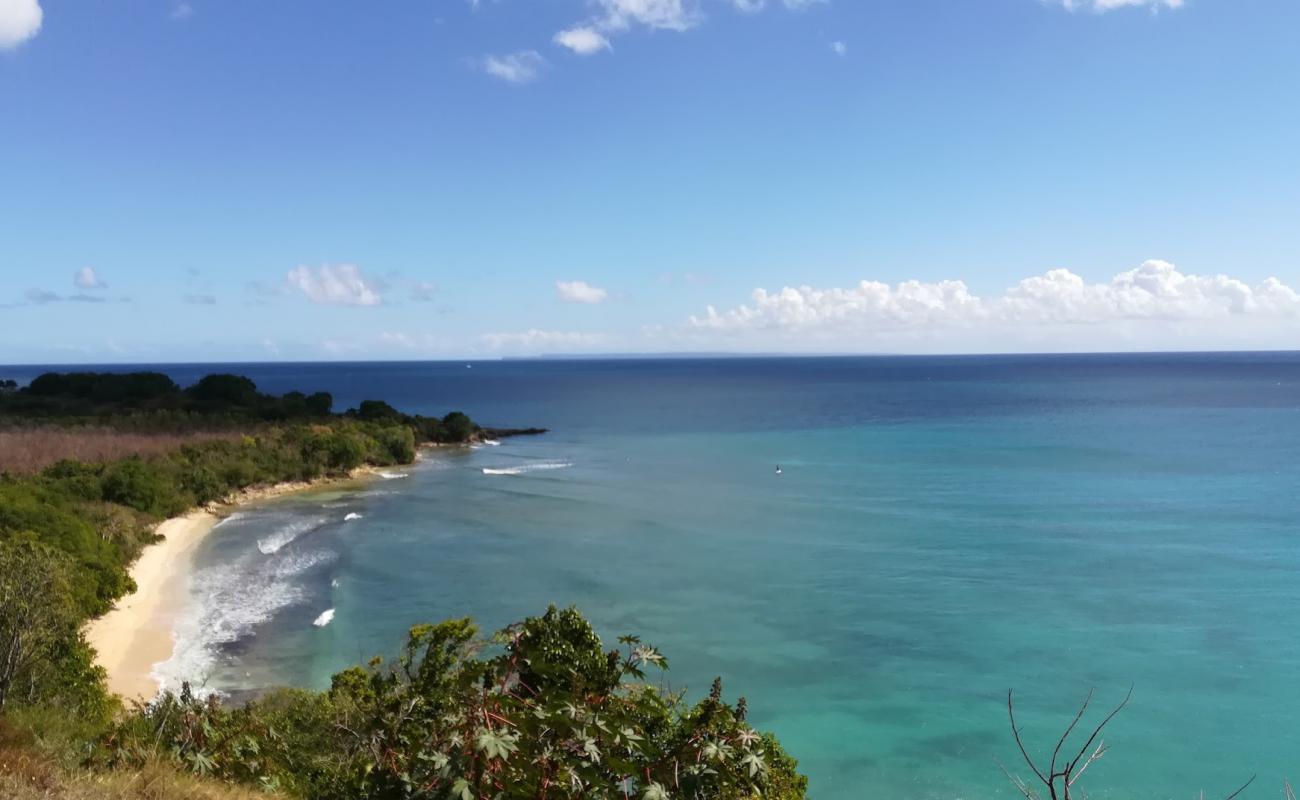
(547, 713)
(100, 514)
(152, 401)
(539, 710)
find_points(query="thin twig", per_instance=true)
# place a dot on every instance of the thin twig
(1096, 754)
(1242, 789)
(1051, 769)
(1020, 785)
(1096, 731)
(1011, 712)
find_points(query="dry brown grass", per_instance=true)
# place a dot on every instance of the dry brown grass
(153, 782)
(26, 450)
(27, 773)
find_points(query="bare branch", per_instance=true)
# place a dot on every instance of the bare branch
(1011, 712)
(1243, 788)
(1051, 769)
(1096, 731)
(1096, 754)
(1020, 785)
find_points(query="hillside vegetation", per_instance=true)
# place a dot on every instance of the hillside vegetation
(539, 710)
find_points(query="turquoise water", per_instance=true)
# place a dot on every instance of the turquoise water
(942, 530)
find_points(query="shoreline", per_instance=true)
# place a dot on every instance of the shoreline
(138, 632)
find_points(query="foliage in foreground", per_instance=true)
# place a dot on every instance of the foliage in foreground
(551, 714)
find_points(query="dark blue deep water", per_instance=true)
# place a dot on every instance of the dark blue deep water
(944, 529)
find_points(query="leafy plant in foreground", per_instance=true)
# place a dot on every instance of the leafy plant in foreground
(550, 715)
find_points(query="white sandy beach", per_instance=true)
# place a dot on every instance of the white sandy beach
(138, 632)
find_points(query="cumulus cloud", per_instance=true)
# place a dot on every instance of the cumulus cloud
(85, 278)
(20, 20)
(673, 15)
(538, 341)
(1154, 292)
(1101, 6)
(337, 285)
(839, 48)
(580, 292)
(583, 40)
(182, 11)
(518, 68)
(619, 16)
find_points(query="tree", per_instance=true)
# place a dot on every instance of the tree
(320, 403)
(376, 411)
(1059, 775)
(38, 618)
(459, 427)
(214, 392)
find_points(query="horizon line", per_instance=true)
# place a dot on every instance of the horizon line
(657, 356)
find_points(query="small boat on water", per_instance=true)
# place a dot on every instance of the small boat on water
(778, 469)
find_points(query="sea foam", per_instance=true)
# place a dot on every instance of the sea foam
(524, 469)
(228, 602)
(278, 539)
(325, 618)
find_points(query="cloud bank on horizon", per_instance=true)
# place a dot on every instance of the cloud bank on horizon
(1154, 306)
(1154, 291)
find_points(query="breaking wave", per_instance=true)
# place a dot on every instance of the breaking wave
(325, 618)
(278, 539)
(228, 602)
(524, 469)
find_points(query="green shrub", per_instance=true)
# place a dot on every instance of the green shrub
(550, 714)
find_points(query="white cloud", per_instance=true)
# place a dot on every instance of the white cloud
(751, 6)
(1101, 6)
(1154, 294)
(580, 292)
(85, 278)
(839, 48)
(672, 15)
(620, 16)
(539, 341)
(583, 40)
(338, 285)
(518, 68)
(20, 20)
(182, 11)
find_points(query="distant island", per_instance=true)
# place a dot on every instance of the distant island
(107, 480)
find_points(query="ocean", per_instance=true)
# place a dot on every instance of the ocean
(943, 529)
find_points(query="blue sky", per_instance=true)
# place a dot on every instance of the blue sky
(237, 179)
